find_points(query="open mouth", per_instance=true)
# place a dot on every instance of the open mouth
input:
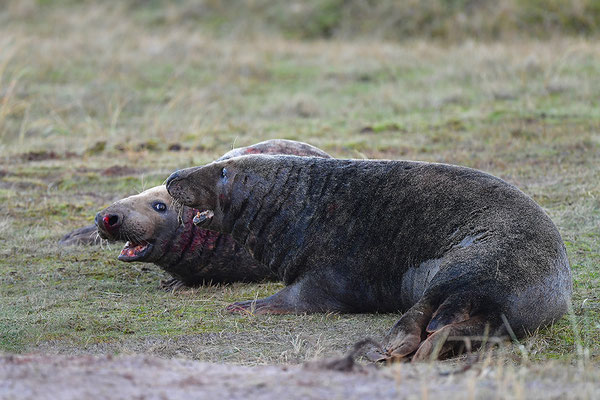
(135, 251)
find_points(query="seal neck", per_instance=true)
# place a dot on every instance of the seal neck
(270, 218)
(188, 245)
(195, 256)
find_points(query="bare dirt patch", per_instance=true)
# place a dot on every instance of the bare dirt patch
(47, 155)
(119, 170)
(80, 377)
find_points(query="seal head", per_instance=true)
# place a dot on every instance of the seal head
(139, 220)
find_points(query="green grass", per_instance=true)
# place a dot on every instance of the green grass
(89, 87)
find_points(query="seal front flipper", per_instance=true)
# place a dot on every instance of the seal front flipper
(299, 297)
(282, 302)
(171, 285)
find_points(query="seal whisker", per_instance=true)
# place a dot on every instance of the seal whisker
(179, 208)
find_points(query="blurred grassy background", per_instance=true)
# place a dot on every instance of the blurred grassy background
(99, 100)
(351, 19)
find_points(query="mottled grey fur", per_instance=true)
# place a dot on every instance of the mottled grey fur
(458, 250)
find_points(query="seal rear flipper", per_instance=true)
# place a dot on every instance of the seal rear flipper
(456, 308)
(428, 332)
(87, 235)
(470, 333)
(406, 335)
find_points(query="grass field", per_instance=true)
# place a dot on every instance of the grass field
(97, 104)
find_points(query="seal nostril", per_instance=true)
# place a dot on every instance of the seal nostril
(110, 220)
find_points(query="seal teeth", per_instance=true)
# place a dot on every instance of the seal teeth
(203, 216)
(131, 250)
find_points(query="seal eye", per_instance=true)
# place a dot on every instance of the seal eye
(224, 173)
(159, 206)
